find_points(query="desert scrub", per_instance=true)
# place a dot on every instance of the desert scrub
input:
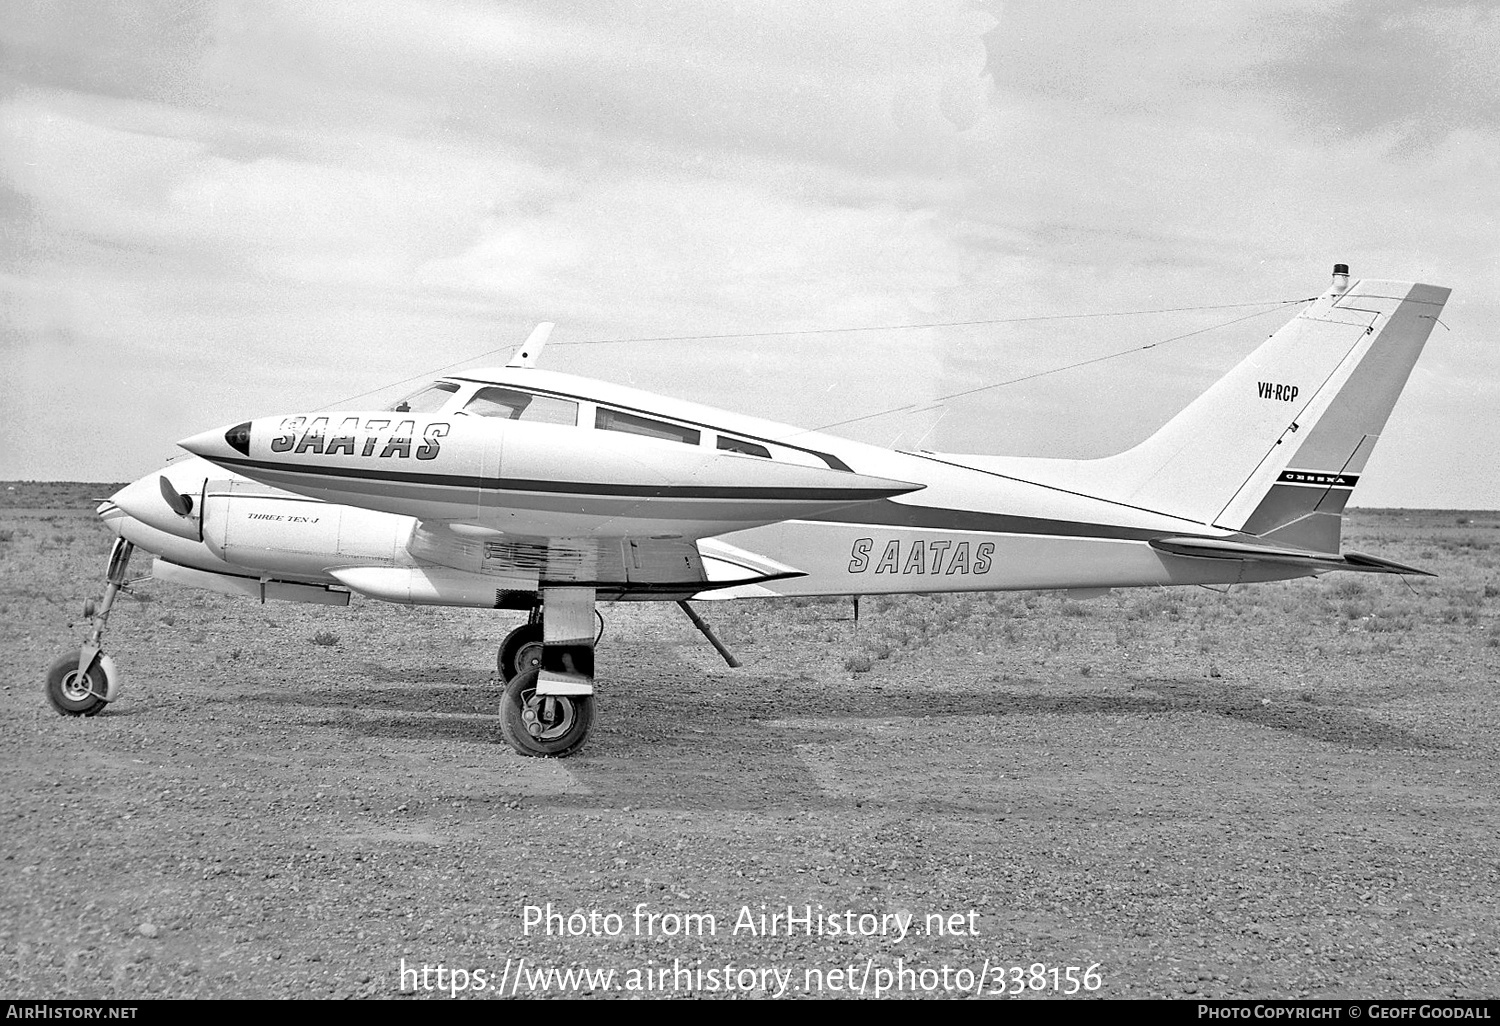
(1157, 603)
(1349, 587)
(1390, 623)
(1462, 608)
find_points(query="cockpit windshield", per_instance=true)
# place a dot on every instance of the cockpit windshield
(427, 400)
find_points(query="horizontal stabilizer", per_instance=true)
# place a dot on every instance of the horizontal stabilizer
(1376, 565)
(1212, 548)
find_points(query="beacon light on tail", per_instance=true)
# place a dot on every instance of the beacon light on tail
(525, 490)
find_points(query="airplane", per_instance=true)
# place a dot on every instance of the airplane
(523, 489)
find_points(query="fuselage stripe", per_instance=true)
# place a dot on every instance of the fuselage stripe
(599, 489)
(873, 509)
(886, 513)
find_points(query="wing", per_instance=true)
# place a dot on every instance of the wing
(458, 559)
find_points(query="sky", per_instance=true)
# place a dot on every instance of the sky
(211, 211)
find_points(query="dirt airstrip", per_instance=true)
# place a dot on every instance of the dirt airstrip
(1286, 790)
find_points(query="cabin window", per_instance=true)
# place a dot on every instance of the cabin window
(615, 420)
(510, 404)
(428, 400)
(728, 444)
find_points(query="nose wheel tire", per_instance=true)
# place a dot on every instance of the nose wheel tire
(544, 725)
(521, 650)
(72, 693)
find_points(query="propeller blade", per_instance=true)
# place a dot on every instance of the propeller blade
(181, 504)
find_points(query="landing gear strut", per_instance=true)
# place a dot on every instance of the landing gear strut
(83, 682)
(548, 705)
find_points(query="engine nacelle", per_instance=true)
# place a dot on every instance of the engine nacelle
(250, 525)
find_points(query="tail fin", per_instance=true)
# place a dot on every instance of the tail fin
(1274, 448)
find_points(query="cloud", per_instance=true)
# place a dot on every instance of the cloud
(1419, 72)
(262, 205)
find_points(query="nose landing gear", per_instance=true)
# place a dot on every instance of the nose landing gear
(82, 682)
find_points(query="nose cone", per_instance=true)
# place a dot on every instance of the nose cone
(150, 500)
(220, 443)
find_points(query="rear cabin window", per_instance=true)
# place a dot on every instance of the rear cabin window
(728, 444)
(428, 400)
(615, 420)
(510, 404)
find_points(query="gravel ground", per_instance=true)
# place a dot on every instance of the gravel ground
(1285, 791)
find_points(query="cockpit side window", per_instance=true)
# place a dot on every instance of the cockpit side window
(616, 420)
(511, 404)
(427, 400)
(727, 444)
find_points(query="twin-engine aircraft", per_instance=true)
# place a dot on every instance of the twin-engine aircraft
(527, 490)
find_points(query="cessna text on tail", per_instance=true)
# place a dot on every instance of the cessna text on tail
(523, 489)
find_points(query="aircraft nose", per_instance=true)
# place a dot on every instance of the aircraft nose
(158, 502)
(220, 442)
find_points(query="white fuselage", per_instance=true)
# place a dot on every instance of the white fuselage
(390, 503)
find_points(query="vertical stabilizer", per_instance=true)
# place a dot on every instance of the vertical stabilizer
(1274, 448)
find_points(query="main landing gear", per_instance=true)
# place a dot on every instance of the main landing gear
(83, 681)
(521, 649)
(548, 666)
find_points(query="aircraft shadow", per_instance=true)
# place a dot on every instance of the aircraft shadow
(433, 689)
(756, 741)
(729, 706)
(745, 742)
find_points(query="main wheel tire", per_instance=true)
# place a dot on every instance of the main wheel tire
(521, 650)
(72, 693)
(521, 723)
